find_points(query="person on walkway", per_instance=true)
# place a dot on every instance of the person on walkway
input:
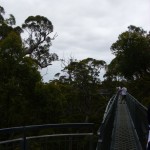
(119, 93)
(123, 94)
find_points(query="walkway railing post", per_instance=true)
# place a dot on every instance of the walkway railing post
(91, 143)
(24, 140)
(70, 142)
(106, 128)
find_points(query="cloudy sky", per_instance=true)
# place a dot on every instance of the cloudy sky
(85, 28)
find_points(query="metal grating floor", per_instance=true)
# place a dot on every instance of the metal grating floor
(123, 134)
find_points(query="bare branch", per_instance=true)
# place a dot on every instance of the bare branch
(46, 72)
(53, 38)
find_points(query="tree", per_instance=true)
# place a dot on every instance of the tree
(84, 77)
(112, 71)
(19, 75)
(18, 79)
(38, 42)
(132, 62)
(132, 51)
(2, 11)
(86, 69)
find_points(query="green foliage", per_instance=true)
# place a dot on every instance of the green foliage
(11, 21)
(48, 103)
(39, 41)
(24, 98)
(83, 76)
(132, 62)
(2, 12)
(132, 50)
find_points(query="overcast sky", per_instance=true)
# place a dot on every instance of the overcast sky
(85, 28)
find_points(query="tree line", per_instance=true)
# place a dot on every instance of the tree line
(74, 97)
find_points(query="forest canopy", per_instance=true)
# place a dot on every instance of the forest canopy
(75, 96)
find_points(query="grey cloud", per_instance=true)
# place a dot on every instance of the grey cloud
(85, 28)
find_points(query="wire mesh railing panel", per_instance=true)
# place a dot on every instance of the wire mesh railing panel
(11, 145)
(77, 136)
(66, 142)
(106, 128)
(139, 117)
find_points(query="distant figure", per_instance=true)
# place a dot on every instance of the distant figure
(123, 94)
(119, 93)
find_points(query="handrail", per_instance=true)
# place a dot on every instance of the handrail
(45, 136)
(44, 126)
(106, 128)
(78, 131)
(108, 107)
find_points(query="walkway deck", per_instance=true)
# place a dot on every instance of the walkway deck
(125, 136)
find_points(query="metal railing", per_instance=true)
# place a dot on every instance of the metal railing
(77, 136)
(138, 113)
(106, 128)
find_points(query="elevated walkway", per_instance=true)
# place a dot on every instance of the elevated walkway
(124, 134)
(124, 125)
